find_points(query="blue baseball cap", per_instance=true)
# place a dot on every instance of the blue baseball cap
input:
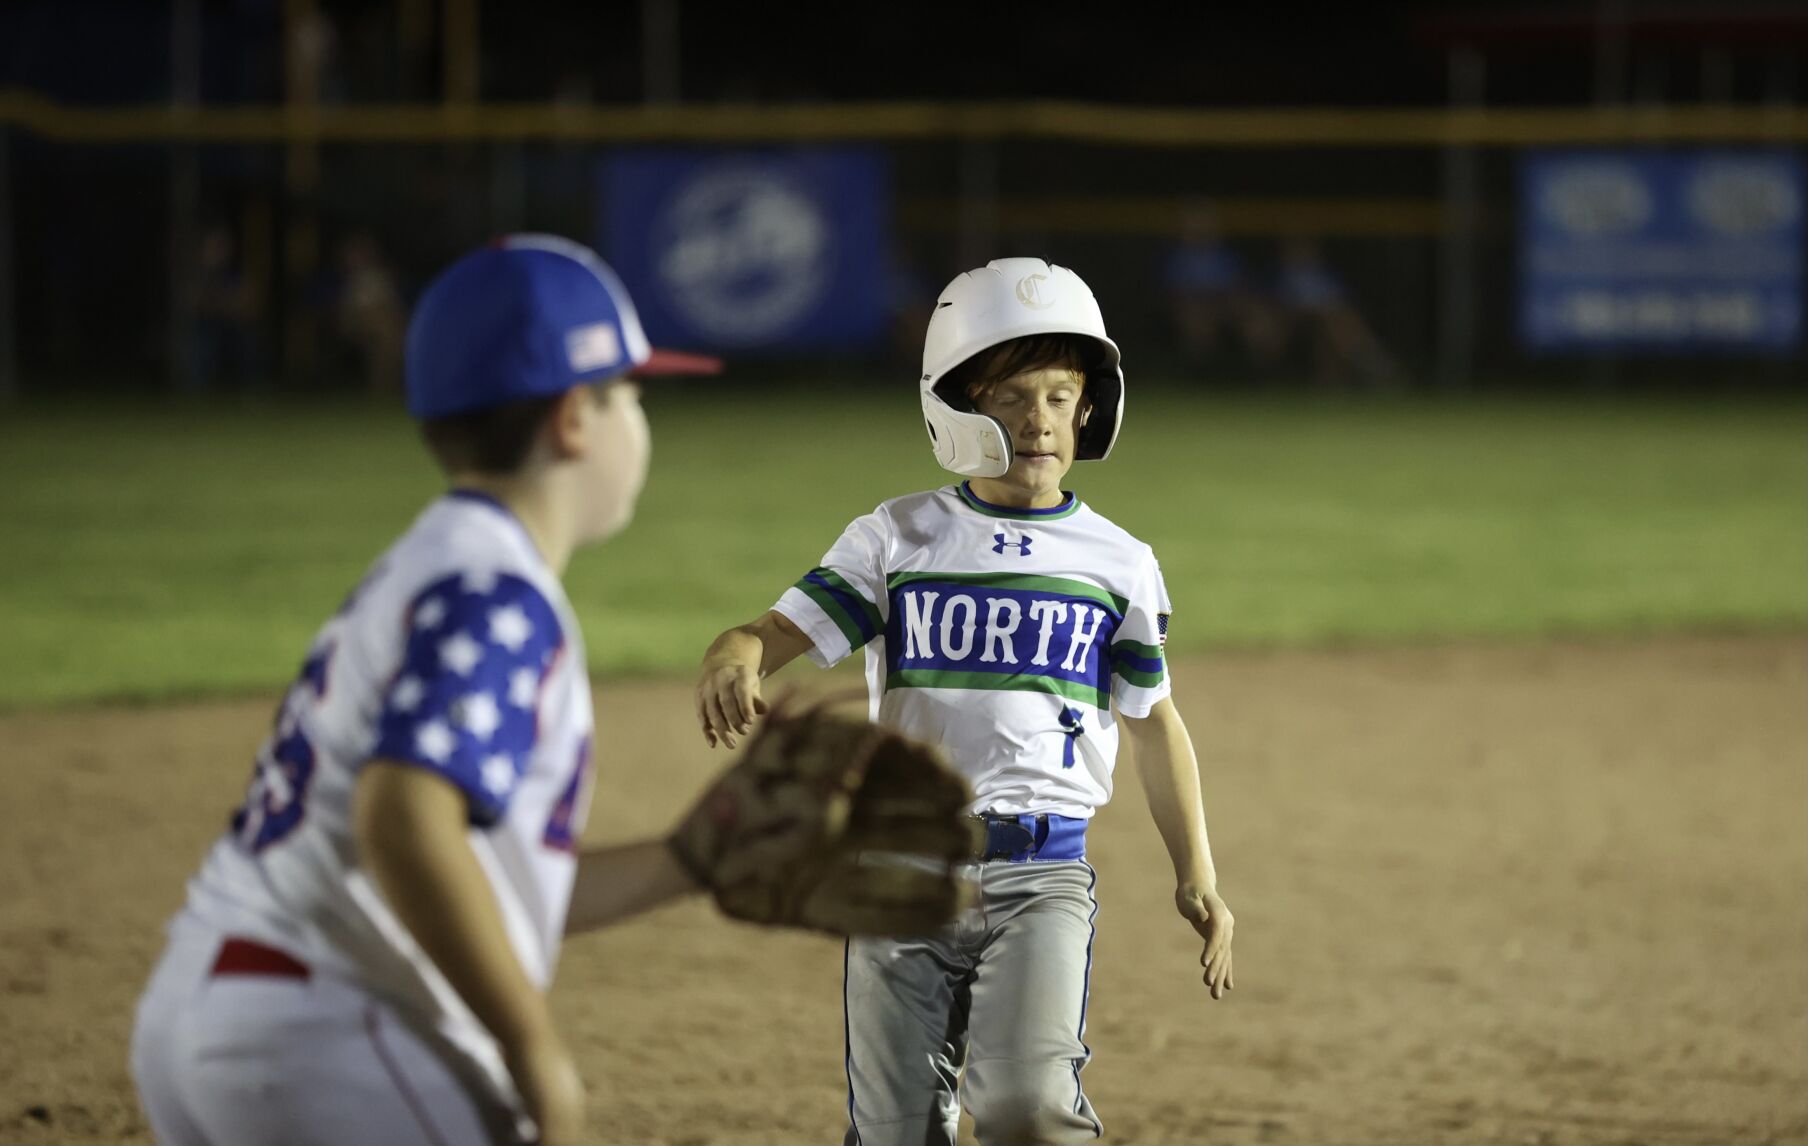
(526, 317)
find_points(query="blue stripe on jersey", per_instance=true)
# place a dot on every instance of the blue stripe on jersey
(1068, 507)
(852, 605)
(1140, 664)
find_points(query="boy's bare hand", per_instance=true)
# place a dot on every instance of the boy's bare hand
(548, 1079)
(728, 700)
(1206, 911)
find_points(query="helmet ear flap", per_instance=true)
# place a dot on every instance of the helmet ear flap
(972, 445)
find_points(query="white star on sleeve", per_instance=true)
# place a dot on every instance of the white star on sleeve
(431, 613)
(510, 628)
(276, 778)
(460, 653)
(480, 581)
(479, 715)
(498, 774)
(407, 694)
(524, 687)
(434, 741)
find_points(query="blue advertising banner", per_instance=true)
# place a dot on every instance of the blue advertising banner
(1661, 251)
(751, 250)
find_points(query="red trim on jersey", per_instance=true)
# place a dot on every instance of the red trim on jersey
(249, 957)
(552, 666)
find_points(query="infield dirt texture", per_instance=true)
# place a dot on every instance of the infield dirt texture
(1538, 894)
(1503, 723)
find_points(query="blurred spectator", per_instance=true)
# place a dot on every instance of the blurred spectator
(1342, 347)
(1209, 297)
(369, 313)
(314, 51)
(225, 318)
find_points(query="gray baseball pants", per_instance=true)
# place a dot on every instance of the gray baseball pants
(989, 1012)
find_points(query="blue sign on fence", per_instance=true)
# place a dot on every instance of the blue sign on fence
(1661, 251)
(749, 251)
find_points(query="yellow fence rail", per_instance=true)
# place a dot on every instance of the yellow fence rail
(894, 122)
(1163, 216)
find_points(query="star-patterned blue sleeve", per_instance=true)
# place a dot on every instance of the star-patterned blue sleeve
(464, 703)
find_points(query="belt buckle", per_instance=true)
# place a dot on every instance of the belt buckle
(1007, 837)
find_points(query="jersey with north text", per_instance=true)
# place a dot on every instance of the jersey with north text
(459, 654)
(1006, 636)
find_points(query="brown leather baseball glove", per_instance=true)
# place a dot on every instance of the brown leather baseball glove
(832, 823)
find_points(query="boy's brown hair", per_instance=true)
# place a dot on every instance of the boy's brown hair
(965, 386)
(496, 439)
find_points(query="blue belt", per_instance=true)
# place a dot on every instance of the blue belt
(1021, 839)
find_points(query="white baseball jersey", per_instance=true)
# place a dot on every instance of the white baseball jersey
(1003, 635)
(459, 654)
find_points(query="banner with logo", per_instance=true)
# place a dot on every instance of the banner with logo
(752, 250)
(1661, 251)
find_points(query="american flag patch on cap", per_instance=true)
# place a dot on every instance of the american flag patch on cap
(592, 347)
(1161, 628)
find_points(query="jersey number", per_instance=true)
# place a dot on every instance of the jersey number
(285, 764)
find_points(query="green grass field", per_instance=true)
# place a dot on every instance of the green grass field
(152, 552)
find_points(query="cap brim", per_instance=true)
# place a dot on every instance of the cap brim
(674, 362)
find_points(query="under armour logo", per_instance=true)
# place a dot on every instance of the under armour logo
(1022, 547)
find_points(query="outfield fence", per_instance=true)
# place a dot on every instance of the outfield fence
(218, 247)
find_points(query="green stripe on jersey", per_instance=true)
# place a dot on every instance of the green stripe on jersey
(837, 609)
(1137, 677)
(996, 682)
(1137, 649)
(1028, 582)
(1126, 651)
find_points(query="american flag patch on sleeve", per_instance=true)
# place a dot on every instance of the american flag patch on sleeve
(1161, 629)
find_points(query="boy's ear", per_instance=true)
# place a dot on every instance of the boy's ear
(565, 425)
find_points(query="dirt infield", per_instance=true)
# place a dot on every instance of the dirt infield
(1528, 894)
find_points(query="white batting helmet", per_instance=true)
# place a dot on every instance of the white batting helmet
(1006, 299)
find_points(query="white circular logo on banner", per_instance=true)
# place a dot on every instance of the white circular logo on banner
(743, 255)
(1603, 198)
(1743, 197)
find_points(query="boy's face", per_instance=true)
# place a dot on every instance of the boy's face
(1040, 409)
(618, 448)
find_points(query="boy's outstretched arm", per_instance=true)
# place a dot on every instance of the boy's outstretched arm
(623, 880)
(1170, 776)
(728, 689)
(411, 832)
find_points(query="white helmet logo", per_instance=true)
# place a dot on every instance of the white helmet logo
(1029, 292)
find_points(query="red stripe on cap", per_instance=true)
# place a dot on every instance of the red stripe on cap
(677, 362)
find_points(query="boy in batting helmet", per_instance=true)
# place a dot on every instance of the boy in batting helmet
(1022, 631)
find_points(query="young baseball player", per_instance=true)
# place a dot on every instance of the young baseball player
(364, 957)
(1021, 630)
